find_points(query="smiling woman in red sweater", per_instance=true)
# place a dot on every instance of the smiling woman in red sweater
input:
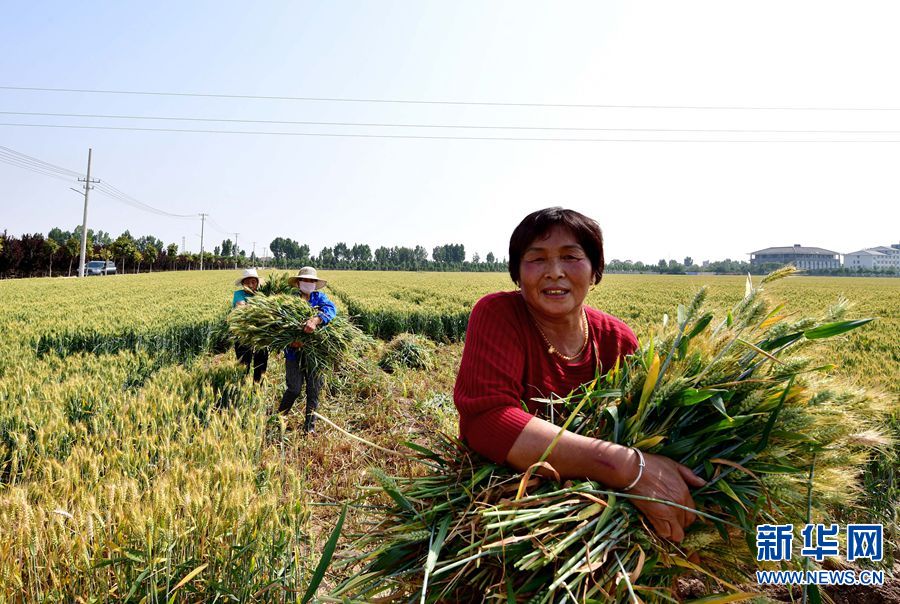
(544, 340)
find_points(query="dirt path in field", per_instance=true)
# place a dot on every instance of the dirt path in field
(887, 593)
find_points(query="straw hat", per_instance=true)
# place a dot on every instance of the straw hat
(307, 272)
(248, 273)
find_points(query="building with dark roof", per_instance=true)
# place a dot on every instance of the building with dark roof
(809, 258)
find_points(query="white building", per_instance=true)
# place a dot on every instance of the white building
(874, 258)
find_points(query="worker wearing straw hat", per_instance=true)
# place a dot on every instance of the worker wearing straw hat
(309, 287)
(248, 283)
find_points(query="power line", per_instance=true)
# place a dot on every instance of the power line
(39, 166)
(426, 102)
(448, 137)
(217, 226)
(32, 168)
(38, 162)
(449, 126)
(143, 205)
(137, 205)
(21, 160)
(17, 158)
(114, 193)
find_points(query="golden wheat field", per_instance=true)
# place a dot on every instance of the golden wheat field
(137, 463)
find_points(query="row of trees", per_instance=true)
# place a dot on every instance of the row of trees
(450, 257)
(673, 267)
(290, 253)
(58, 253)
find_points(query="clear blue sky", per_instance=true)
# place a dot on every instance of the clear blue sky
(653, 199)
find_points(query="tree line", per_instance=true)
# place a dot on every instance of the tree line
(57, 254)
(287, 253)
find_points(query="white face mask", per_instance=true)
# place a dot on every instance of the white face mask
(307, 288)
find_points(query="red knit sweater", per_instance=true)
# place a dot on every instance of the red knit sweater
(505, 363)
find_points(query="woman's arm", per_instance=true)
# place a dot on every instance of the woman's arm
(488, 390)
(576, 456)
(326, 308)
(239, 299)
(326, 312)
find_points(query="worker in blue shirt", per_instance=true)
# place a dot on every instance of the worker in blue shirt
(248, 283)
(308, 286)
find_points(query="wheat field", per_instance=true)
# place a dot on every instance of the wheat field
(137, 463)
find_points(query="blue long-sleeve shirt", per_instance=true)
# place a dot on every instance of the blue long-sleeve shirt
(327, 312)
(240, 295)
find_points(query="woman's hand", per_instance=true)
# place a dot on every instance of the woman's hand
(576, 456)
(311, 324)
(296, 344)
(666, 479)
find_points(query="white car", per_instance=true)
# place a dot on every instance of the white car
(100, 267)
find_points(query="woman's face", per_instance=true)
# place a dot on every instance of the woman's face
(307, 286)
(555, 274)
(251, 283)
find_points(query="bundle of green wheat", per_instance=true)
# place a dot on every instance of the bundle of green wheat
(276, 283)
(733, 401)
(277, 321)
(408, 350)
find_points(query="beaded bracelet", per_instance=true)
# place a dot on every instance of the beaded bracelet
(641, 465)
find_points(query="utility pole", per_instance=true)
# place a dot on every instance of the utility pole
(183, 246)
(202, 225)
(87, 188)
(253, 253)
(234, 252)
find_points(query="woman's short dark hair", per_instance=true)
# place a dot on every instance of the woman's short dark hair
(537, 225)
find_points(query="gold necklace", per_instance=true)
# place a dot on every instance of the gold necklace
(552, 349)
